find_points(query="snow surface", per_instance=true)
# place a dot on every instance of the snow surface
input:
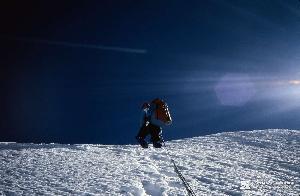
(265, 162)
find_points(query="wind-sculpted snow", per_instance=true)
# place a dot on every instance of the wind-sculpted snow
(263, 162)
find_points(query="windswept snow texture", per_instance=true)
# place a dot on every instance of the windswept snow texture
(262, 162)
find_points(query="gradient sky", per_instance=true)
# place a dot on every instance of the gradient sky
(78, 71)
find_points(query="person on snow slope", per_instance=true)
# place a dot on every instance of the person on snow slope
(154, 116)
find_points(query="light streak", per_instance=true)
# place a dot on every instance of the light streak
(79, 45)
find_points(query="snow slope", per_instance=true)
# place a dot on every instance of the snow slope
(265, 162)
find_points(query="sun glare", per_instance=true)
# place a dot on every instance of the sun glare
(294, 82)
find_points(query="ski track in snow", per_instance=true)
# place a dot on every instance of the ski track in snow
(264, 162)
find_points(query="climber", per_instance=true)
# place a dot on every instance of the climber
(154, 116)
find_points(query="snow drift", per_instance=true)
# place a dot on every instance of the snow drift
(264, 162)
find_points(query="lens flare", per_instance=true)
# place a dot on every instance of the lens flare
(235, 89)
(294, 82)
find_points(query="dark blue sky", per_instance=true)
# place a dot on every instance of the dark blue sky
(78, 71)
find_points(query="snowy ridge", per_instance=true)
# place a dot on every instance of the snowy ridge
(264, 162)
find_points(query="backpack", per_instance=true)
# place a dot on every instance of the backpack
(161, 111)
